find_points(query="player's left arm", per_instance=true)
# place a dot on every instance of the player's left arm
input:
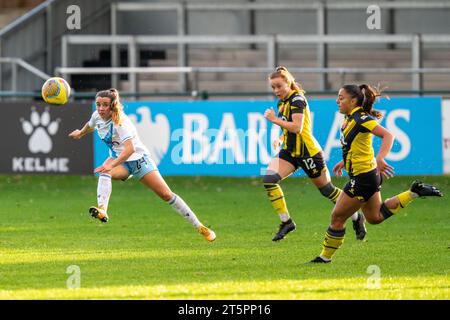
(386, 145)
(123, 156)
(125, 136)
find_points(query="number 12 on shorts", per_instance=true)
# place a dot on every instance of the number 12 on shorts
(309, 163)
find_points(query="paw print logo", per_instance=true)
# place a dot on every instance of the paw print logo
(40, 128)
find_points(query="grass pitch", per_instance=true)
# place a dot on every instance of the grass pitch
(147, 251)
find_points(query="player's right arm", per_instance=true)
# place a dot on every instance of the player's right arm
(294, 126)
(80, 133)
(297, 105)
(337, 169)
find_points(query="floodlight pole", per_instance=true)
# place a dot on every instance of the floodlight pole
(49, 39)
(182, 48)
(322, 48)
(1, 68)
(416, 63)
(114, 54)
(132, 63)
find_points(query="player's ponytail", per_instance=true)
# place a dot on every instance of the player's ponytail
(116, 105)
(283, 72)
(366, 97)
(369, 97)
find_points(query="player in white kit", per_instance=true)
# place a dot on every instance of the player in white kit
(128, 157)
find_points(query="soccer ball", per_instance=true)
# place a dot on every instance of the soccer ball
(55, 91)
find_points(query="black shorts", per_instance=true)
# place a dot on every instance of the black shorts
(313, 166)
(364, 185)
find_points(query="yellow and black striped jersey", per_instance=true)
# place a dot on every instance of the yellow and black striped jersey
(301, 144)
(356, 140)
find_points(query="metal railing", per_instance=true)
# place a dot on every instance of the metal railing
(14, 26)
(271, 44)
(133, 41)
(196, 71)
(15, 64)
(45, 23)
(321, 8)
(26, 17)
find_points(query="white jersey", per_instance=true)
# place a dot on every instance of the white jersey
(114, 136)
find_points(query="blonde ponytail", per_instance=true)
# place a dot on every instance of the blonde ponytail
(283, 72)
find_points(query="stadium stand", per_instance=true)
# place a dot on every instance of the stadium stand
(38, 40)
(13, 9)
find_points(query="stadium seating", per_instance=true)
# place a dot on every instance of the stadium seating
(209, 56)
(305, 57)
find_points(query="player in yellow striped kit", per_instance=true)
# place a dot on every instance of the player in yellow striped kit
(365, 171)
(299, 149)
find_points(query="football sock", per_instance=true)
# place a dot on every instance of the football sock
(284, 217)
(276, 196)
(333, 240)
(183, 209)
(331, 192)
(404, 199)
(104, 189)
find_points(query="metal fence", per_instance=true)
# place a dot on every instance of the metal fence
(15, 64)
(271, 44)
(321, 9)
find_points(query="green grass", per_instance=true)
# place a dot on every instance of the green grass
(147, 251)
